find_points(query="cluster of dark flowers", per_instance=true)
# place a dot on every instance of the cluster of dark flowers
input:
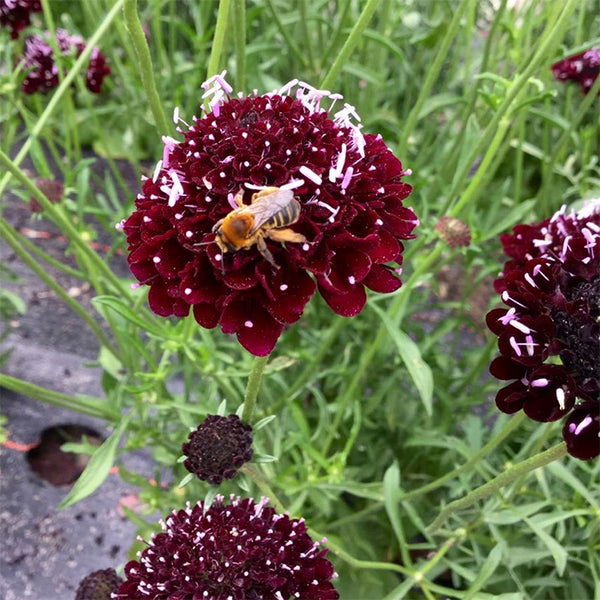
(16, 14)
(549, 334)
(241, 550)
(43, 74)
(340, 191)
(582, 68)
(39, 59)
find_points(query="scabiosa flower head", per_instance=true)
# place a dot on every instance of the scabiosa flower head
(39, 56)
(218, 448)
(238, 551)
(333, 195)
(582, 68)
(549, 336)
(453, 231)
(16, 14)
(98, 585)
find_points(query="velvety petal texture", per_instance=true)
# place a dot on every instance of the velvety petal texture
(43, 74)
(351, 223)
(582, 68)
(238, 551)
(16, 14)
(549, 334)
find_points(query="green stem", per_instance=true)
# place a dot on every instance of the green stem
(132, 22)
(583, 108)
(260, 362)
(94, 407)
(535, 462)
(510, 426)
(262, 485)
(65, 85)
(308, 47)
(351, 41)
(369, 354)
(13, 242)
(60, 219)
(23, 241)
(239, 35)
(431, 77)
(219, 38)
(286, 36)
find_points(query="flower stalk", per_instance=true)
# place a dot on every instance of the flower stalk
(260, 362)
(527, 466)
(132, 21)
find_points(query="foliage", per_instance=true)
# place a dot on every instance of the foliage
(380, 420)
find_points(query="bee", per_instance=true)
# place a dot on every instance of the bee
(267, 216)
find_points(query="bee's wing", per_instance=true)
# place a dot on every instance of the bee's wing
(269, 205)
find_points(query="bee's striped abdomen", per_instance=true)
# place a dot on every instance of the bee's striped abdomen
(286, 216)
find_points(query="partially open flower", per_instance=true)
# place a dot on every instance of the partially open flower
(238, 551)
(39, 57)
(549, 336)
(98, 585)
(218, 448)
(16, 14)
(267, 199)
(582, 68)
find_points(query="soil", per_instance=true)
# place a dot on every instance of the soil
(45, 552)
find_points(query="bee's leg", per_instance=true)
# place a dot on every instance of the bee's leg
(217, 225)
(266, 253)
(285, 235)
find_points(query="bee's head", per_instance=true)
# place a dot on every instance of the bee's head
(234, 232)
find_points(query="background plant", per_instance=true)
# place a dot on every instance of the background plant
(369, 411)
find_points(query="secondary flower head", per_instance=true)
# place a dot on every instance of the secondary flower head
(549, 336)
(453, 231)
(39, 57)
(218, 448)
(238, 551)
(296, 167)
(98, 585)
(51, 188)
(16, 14)
(582, 68)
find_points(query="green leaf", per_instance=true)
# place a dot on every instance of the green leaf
(391, 493)
(559, 554)
(186, 480)
(486, 570)
(471, 139)
(418, 369)
(97, 469)
(263, 458)
(263, 423)
(117, 305)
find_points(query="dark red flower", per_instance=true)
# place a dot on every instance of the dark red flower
(238, 551)
(582, 68)
(16, 14)
(98, 585)
(582, 429)
(218, 448)
(39, 57)
(549, 336)
(344, 189)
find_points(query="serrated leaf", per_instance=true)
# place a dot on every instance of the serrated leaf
(97, 469)
(417, 368)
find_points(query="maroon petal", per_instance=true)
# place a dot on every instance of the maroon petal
(348, 304)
